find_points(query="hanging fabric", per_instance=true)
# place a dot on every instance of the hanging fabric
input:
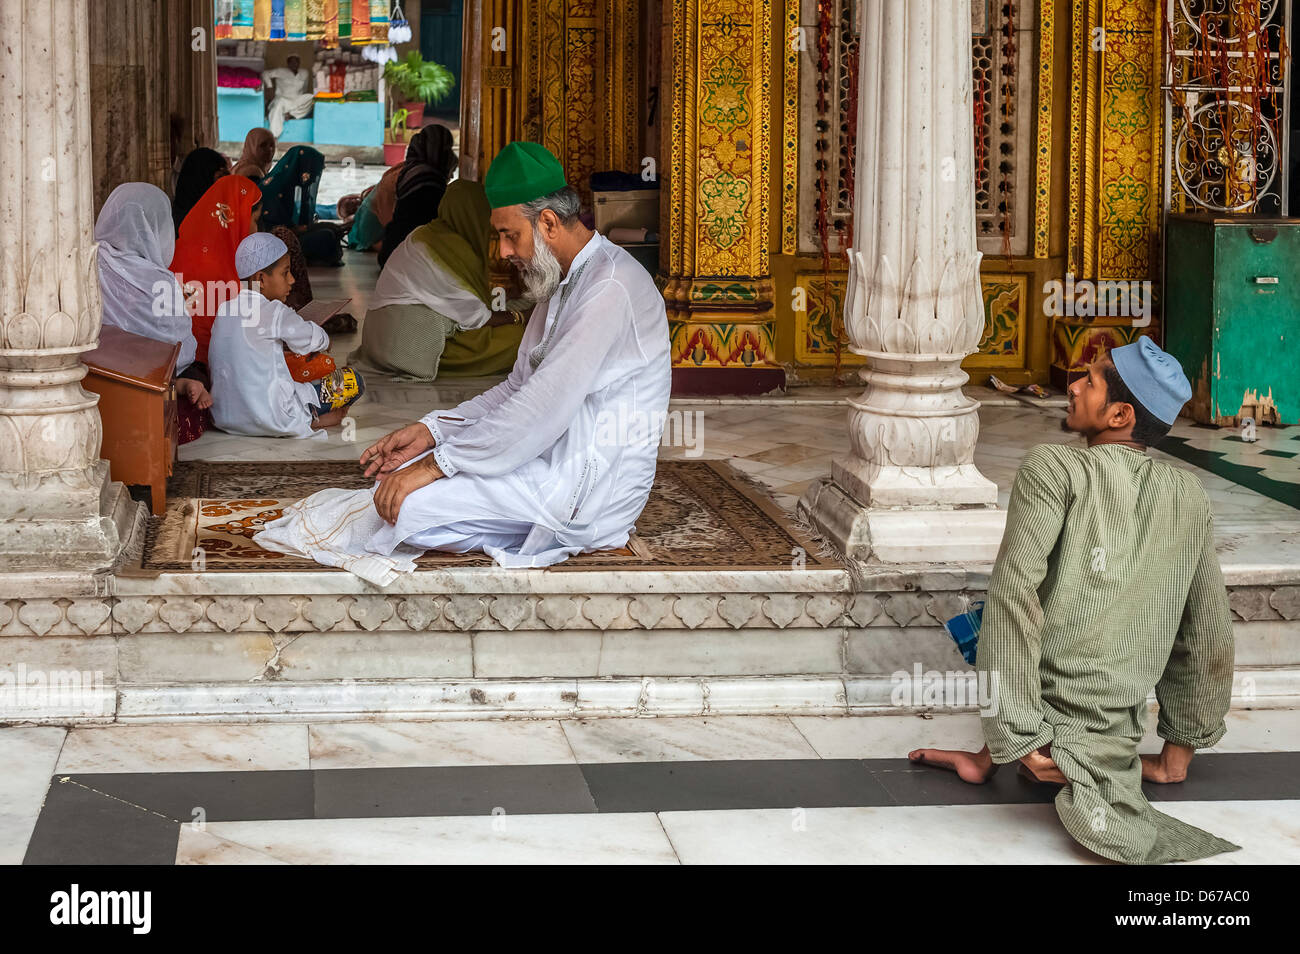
(331, 10)
(360, 21)
(345, 20)
(242, 21)
(399, 31)
(277, 19)
(262, 20)
(295, 19)
(315, 20)
(378, 21)
(225, 19)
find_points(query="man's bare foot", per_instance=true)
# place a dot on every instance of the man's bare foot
(329, 419)
(194, 392)
(1170, 766)
(1038, 766)
(974, 767)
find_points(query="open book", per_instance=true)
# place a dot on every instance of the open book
(319, 312)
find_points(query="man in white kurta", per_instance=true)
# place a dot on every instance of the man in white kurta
(293, 96)
(560, 457)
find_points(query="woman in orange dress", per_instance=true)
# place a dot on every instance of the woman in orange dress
(204, 261)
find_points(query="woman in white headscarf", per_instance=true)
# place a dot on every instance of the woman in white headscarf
(141, 295)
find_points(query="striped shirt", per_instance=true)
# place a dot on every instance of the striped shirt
(1107, 584)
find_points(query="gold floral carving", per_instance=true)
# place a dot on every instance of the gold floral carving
(716, 213)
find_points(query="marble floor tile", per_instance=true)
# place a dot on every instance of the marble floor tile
(787, 454)
(185, 747)
(796, 489)
(1249, 730)
(754, 467)
(888, 737)
(1268, 831)
(488, 839)
(28, 755)
(394, 744)
(949, 834)
(893, 736)
(197, 846)
(786, 501)
(808, 469)
(662, 740)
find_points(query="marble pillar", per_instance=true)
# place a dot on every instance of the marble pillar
(910, 491)
(58, 509)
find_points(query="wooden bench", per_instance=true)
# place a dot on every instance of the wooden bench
(137, 404)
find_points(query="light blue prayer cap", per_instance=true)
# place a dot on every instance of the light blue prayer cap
(258, 251)
(1154, 376)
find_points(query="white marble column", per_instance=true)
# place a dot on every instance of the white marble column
(58, 509)
(910, 491)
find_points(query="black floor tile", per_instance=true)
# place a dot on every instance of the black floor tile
(911, 784)
(451, 790)
(704, 786)
(1231, 776)
(223, 796)
(78, 826)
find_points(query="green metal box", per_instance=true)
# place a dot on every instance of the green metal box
(1232, 315)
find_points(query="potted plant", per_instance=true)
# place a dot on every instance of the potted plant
(413, 82)
(396, 139)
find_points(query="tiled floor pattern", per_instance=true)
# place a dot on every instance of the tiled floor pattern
(730, 789)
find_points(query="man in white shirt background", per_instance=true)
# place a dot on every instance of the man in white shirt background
(557, 459)
(293, 96)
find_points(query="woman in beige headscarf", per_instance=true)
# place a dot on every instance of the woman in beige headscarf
(259, 150)
(431, 313)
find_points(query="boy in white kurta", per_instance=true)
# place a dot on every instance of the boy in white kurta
(253, 392)
(560, 457)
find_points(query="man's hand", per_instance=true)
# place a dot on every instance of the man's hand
(393, 488)
(389, 453)
(1041, 768)
(1169, 766)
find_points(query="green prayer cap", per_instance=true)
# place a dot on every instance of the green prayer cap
(521, 172)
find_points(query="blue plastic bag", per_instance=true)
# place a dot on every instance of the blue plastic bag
(965, 630)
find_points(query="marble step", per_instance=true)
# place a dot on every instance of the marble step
(488, 643)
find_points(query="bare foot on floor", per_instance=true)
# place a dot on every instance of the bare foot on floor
(1169, 767)
(974, 767)
(194, 392)
(329, 419)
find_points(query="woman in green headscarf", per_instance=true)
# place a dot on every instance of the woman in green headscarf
(431, 312)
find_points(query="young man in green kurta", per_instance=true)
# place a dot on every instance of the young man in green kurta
(1106, 585)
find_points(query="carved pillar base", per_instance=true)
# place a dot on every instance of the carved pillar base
(71, 531)
(910, 493)
(912, 535)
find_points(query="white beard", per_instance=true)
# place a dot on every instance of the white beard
(542, 275)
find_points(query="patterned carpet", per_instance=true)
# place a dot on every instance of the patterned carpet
(702, 514)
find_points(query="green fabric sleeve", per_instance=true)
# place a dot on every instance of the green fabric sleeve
(1196, 688)
(1008, 648)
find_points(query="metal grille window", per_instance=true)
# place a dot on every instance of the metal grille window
(1003, 53)
(1227, 115)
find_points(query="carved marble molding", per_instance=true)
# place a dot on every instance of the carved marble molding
(180, 614)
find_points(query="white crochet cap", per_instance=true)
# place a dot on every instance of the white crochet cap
(258, 251)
